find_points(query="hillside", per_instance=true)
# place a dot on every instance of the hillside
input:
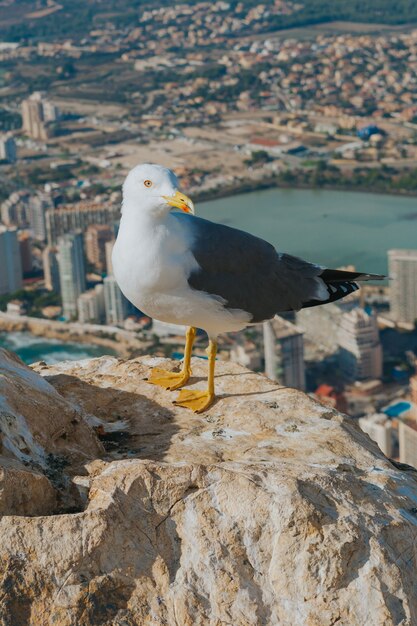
(75, 18)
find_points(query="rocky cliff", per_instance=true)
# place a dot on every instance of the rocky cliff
(120, 509)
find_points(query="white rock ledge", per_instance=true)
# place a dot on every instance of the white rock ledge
(269, 509)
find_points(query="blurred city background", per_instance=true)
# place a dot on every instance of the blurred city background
(294, 120)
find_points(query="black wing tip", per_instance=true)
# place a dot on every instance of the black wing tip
(335, 276)
(364, 277)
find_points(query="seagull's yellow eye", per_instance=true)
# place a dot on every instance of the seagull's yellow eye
(148, 183)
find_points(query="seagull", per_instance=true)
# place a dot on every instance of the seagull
(181, 269)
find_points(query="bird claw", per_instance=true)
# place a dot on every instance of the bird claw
(197, 401)
(167, 380)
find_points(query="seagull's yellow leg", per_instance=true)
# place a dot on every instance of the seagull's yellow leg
(199, 401)
(175, 380)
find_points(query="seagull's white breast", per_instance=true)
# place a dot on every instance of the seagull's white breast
(152, 261)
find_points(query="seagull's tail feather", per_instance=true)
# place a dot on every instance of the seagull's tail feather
(339, 284)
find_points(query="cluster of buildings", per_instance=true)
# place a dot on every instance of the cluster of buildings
(346, 74)
(296, 99)
(39, 116)
(72, 245)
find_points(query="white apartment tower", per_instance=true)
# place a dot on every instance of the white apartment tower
(402, 266)
(360, 354)
(284, 352)
(91, 306)
(10, 262)
(51, 269)
(71, 272)
(116, 305)
(39, 204)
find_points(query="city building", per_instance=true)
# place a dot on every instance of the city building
(116, 305)
(96, 237)
(360, 350)
(16, 307)
(247, 354)
(329, 396)
(7, 149)
(402, 266)
(78, 217)
(284, 352)
(413, 389)
(15, 209)
(91, 308)
(413, 395)
(321, 325)
(71, 272)
(51, 269)
(379, 428)
(25, 249)
(39, 204)
(10, 263)
(37, 114)
(407, 436)
(108, 248)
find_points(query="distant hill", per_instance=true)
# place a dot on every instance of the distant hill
(373, 11)
(28, 19)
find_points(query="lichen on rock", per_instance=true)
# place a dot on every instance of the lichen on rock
(268, 509)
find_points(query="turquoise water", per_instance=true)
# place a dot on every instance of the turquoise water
(329, 227)
(31, 349)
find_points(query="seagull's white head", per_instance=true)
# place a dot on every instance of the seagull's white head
(153, 190)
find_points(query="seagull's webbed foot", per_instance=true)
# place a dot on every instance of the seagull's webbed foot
(197, 401)
(168, 380)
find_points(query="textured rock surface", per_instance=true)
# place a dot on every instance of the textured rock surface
(44, 440)
(268, 509)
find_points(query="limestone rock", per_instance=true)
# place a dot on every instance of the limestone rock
(268, 509)
(25, 492)
(43, 440)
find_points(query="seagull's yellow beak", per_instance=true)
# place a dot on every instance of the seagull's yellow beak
(180, 201)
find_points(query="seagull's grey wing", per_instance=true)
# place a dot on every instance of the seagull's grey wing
(248, 273)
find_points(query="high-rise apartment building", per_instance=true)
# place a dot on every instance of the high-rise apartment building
(71, 272)
(39, 204)
(284, 352)
(10, 263)
(402, 266)
(407, 435)
(96, 237)
(117, 306)
(379, 428)
(25, 248)
(7, 149)
(109, 251)
(37, 112)
(51, 269)
(360, 350)
(78, 217)
(91, 308)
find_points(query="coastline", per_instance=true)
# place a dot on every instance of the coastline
(122, 342)
(227, 192)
